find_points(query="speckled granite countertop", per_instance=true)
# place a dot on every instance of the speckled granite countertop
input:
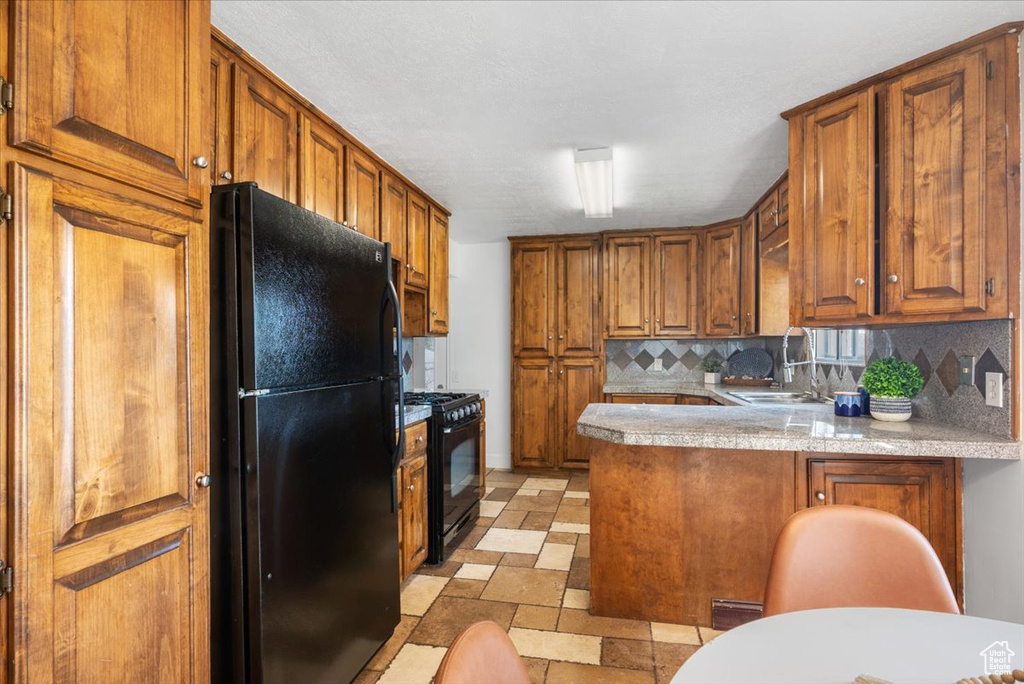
(416, 414)
(801, 427)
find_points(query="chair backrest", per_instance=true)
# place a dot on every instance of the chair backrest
(852, 556)
(482, 653)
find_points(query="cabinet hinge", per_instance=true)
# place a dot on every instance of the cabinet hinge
(990, 286)
(6, 579)
(6, 95)
(6, 206)
(988, 71)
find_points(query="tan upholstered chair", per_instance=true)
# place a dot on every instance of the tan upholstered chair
(482, 653)
(843, 556)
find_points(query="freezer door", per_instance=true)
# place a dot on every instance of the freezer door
(321, 537)
(312, 295)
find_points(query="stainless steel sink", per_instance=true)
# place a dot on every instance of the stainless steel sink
(777, 398)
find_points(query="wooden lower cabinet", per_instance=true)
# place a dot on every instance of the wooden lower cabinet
(412, 501)
(579, 384)
(925, 493)
(642, 398)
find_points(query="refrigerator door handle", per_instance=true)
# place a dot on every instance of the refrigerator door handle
(394, 373)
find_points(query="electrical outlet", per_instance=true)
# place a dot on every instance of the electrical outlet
(658, 365)
(966, 366)
(994, 389)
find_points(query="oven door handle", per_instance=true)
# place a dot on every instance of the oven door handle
(462, 426)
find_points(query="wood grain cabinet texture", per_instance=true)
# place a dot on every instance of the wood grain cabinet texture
(394, 214)
(722, 281)
(927, 149)
(437, 290)
(749, 277)
(557, 347)
(413, 533)
(676, 278)
(924, 492)
(105, 263)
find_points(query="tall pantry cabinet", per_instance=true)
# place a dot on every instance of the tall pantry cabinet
(557, 348)
(104, 530)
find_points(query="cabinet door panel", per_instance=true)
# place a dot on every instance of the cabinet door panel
(533, 413)
(749, 276)
(437, 289)
(782, 195)
(265, 125)
(935, 237)
(417, 245)
(627, 276)
(322, 170)
(578, 297)
(579, 384)
(533, 299)
(393, 215)
(363, 184)
(109, 433)
(768, 214)
(113, 87)
(675, 279)
(414, 513)
(722, 281)
(838, 263)
(919, 492)
(220, 118)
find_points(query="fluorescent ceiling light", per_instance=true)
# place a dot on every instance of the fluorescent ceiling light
(594, 175)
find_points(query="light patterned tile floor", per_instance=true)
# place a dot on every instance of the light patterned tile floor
(527, 568)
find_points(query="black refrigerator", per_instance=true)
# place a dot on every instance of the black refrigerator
(306, 434)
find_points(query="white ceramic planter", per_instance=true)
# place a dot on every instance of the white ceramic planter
(712, 378)
(890, 409)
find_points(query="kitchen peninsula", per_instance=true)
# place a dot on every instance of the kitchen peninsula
(686, 501)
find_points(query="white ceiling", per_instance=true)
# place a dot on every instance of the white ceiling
(481, 104)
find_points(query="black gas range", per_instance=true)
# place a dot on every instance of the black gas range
(453, 467)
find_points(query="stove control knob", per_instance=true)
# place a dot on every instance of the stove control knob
(451, 416)
(461, 413)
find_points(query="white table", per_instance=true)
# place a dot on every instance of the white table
(838, 644)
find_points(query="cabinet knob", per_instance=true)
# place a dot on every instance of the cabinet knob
(658, 321)
(550, 337)
(561, 372)
(734, 317)
(226, 175)
(355, 227)
(202, 480)
(647, 320)
(419, 439)
(433, 312)
(894, 278)
(748, 314)
(345, 223)
(859, 281)
(820, 496)
(550, 372)
(200, 161)
(412, 488)
(561, 337)
(408, 267)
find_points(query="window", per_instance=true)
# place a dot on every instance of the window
(839, 346)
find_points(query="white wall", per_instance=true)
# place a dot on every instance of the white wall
(994, 522)
(479, 336)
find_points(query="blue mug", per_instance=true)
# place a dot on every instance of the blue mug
(848, 404)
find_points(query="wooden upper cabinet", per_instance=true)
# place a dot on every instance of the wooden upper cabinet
(676, 276)
(920, 492)
(782, 202)
(266, 121)
(749, 314)
(935, 138)
(417, 242)
(322, 169)
(363, 188)
(109, 428)
(394, 214)
(220, 118)
(577, 297)
(627, 275)
(837, 168)
(437, 289)
(113, 88)
(722, 281)
(533, 298)
(533, 413)
(580, 383)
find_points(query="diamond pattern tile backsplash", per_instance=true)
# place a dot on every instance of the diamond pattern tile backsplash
(933, 348)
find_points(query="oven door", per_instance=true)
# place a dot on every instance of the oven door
(460, 447)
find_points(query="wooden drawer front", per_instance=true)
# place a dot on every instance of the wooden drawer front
(416, 440)
(643, 399)
(691, 400)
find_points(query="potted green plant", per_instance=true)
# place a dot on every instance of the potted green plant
(712, 371)
(892, 383)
